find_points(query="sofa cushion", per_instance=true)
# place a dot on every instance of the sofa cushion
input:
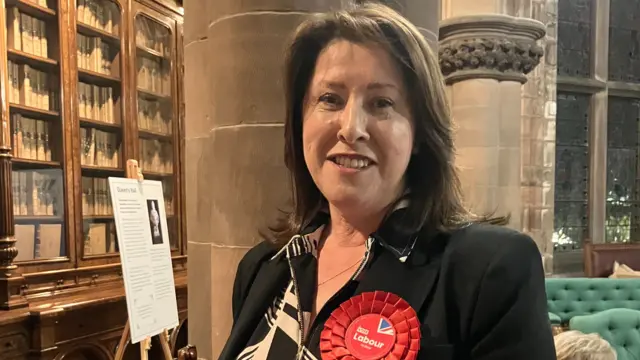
(569, 297)
(620, 327)
(554, 319)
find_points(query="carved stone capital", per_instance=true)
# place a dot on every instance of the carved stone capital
(497, 47)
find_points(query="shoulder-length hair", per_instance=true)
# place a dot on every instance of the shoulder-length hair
(435, 196)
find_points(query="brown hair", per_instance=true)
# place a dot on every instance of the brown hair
(435, 199)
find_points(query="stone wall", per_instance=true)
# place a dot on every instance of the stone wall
(538, 134)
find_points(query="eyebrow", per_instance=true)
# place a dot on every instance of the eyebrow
(371, 86)
(378, 85)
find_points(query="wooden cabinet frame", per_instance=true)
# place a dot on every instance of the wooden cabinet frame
(37, 280)
(74, 305)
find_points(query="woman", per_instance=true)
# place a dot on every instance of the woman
(378, 213)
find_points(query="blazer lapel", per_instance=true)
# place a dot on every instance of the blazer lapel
(271, 278)
(412, 280)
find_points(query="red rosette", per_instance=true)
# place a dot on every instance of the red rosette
(371, 326)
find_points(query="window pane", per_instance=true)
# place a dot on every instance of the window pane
(100, 113)
(572, 165)
(622, 170)
(574, 37)
(38, 135)
(156, 121)
(624, 41)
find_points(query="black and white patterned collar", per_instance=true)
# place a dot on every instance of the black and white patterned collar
(386, 236)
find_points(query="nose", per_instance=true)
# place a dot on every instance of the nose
(353, 123)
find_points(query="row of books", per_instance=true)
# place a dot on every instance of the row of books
(152, 35)
(41, 241)
(99, 148)
(26, 33)
(100, 239)
(94, 54)
(154, 116)
(101, 14)
(96, 197)
(37, 192)
(44, 241)
(154, 75)
(96, 103)
(30, 138)
(32, 87)
(156, 156)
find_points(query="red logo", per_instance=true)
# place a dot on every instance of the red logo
(370, 337)
(374, 325)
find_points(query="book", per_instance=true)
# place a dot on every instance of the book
(49, 239)
(95, 197)
(95, 239)
(156, 156)
(25, 33)
(96, 103)
(25, 242)
(14, 35)
(37, 192)
(31, 87)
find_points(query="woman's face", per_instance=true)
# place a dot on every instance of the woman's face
(357, 128)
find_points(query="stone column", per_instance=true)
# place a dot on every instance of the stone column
(423, 14)
(236, 178)
(485, 58)
(538, 135)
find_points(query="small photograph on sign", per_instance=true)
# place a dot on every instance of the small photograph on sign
(154, 222)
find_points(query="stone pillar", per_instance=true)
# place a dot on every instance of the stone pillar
(236, 178)
(423, 14)
(485, 58)
(538, 134)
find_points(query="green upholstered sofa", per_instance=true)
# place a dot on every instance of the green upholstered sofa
(569, 297)
(620, 327)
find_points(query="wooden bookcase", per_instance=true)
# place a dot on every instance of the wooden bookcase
(86, 84)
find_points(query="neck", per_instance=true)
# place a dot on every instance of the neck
(352, 230)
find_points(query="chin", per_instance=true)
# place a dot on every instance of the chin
(348, 200)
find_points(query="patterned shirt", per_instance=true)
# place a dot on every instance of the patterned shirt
(286, 331)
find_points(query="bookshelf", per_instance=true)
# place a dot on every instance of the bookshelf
(106, 67)
(87, 84)
(153, 66)
(100, 89)
(37, 130)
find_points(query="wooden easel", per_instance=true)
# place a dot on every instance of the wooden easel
(133, 172)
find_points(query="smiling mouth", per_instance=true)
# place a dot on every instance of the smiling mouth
(352, 162)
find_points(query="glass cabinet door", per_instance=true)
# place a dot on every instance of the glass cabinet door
(154, 57)
(100, 109)
(38, 177)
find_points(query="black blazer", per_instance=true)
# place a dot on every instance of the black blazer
(479, 292)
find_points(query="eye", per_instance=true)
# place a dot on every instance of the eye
(382, 103)
(330, 100)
